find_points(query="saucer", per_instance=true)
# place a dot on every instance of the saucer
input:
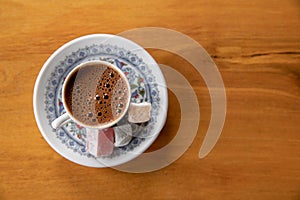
(146, 81)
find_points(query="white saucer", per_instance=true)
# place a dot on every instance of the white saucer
(146, 80)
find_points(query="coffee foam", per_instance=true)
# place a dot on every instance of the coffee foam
(96, 95)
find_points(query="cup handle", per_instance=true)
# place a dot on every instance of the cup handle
(139, 112)
(61, 120)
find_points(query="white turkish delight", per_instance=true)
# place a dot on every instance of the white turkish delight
(123, 135)
(139, 112)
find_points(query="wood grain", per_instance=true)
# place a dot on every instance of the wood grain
(256, 45)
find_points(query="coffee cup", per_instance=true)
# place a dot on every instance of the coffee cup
(97, 95)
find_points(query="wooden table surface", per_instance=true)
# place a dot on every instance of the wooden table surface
(256, 46)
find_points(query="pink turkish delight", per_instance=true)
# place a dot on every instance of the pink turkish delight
(100, 142)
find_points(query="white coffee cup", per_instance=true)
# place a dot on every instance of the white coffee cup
(66, 117)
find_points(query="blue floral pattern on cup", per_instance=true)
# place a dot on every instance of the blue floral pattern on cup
(142, 82)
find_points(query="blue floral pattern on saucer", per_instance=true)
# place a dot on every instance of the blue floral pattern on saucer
(143, 87)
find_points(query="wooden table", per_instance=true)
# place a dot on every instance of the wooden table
(256, 46)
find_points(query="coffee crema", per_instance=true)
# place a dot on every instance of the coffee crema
(96, 94)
